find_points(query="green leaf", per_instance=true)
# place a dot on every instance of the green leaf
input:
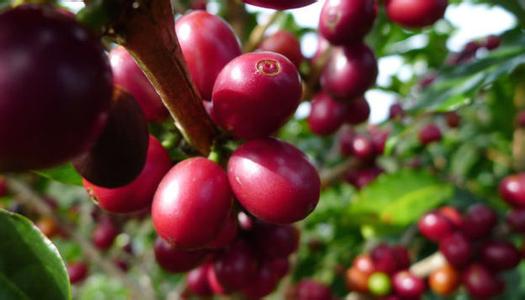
(65, 174)
(30, 265)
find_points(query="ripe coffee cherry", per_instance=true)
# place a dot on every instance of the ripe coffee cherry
(127, 74)
(138, 194)
(192, 203)
(279, 266)
(276, 241)
(104, 234)
(176, 260)
(235, 268)
(520, 120)
(444, 281)
(396, 111)
(379, 138)
(408, 286)
(201, 34)
(197, 281)
(285, 43)
(361, 178)
(246, 222)
(435, 226)
(56, 88)
(415, 13)
(429, 134)
(512, 190)
(362, 147)
(274, 181)
(499, 255)
(350, 71)
(280, 4)
(308, 289)
(119, 154)
(384, 259)
(3, 186)
(479, 221)
(364, 264)
(347, 21)
(358, 111)
(481, 283)
(516, 220)
(227, 234)
(263, 284)
(346, 136)
(453, 119)
(379, 284)
(326, 114)
(402, 257)
(457, 250)
(356, 280)
(453, 215)
(492, 42)
(255, 94)
(77, 272)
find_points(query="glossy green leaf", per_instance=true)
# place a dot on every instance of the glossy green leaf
(65, 174)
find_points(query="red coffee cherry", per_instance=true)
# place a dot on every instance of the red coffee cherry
(138, 194)
(384, 259)
(415, 13)
(362, 148)
(435, 226)
(482, 283)
(192, 203)
(308, 289)
(104, 234)
(457, 250)
(77, 272)
(453, 215)
(201, 34)
(512, 190)
(346, 136)
(263, 284)
(280, 4)
(358, 111)
(453, 119)
(326, 114)
(402, 257)
(362, 177)
(127, 74)
(479, 221)
(499, 255)
(430, 133)
(444, 281)
(407, 285)
(227, 234)
(379, 137)
(48, 117)
(350, 71)
(197, 281)
(274, 181)
(347, 21)
(176, 260)
(516, 220)
(396, 111)
(3, 186)
(275, 241)
(364, 264)
(236, 267)
(255, 94)
(279, 266)
(285, 43)
(492, 42)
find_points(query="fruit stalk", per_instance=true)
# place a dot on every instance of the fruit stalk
(257, 34)
(330, 175)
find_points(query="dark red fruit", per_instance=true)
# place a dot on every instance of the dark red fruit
(479, 221)
(363, 177)
(326, 114)
(434, 226)
(198, 4)
(137, 195)
(279, 4)
(453, 119)
(308, 289)
(520, 120)
(481, 283)
(263, 284)
(274, 181)
(430, 133)
(176, 260)
(236, 267)
(343, 22)
(197, 281)
(346, 136)
(77, 272)
(415, 13)
(3, 186)
(516, 220)
(402, 257)
(492, 42)
(512, 190)
(246, 222)
(127, 74)
(350, 71)
(255, 94)
(276, 241)
(408, 286)
(379, 138)
(499, 255)
(104, 234)
(396, 111)
(279, 266)
(384, 259)
(121, 264)
(457, 249)
(362, 147)
(453, 215)
(192, 203)
(53, 104)
(358, 111)
(285, 43)
(201, 34)
(227, 234)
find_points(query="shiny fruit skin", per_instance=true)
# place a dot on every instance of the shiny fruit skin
(192, 203)
(280, 4)
(512, 190)
(326, 114)
(77, 272)
(499, 255)
(358, 111)
(444, 281)
(274, 181)
(104, 234)
(263, 284)
(227, 234)
(453, 215)
(201, 34)
(128, 75)
(53, 104)
(457, 250)
(479, 220)
(285, 43)
(402, 257)
(119, 154)
(429, 134)
(175, 260)
(379, 284)
(356, 280)
(236, 267)
(279, 266)
(362, 148)
(384, 259)
(408, 286)
(435, 226)
(350, 71)
(197, 281)
(308, 289)
(364, 264)
(481, 283)
(415, 13)
(275, 241)
(396, 111)
(343, 22)
(138, 194)
(346, 136)
(516, 220)
(255, 94)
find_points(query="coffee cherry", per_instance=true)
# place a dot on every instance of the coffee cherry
(347, 21)
(128, 75)
(280, 4)
(308, 289)
(227, 234)
(384, 259)
(197, 281)
(346, 136)
(77, 272)
(435, 226)
(255, 94)
(364, 264)
(361, 178)
(479, 221)
(285, 43)
(408, 286)
(176, 260)
(246, 222)
(358, 111)
(396, 111)
(192, 203)
(201, 34)
(236, 267)
(56, 88)
(274, 181)
(362, 148)
(481, 283)
(516, 220)
(326, 114)
(276, 241)
(279, 266)
(121, 264)
(350, 71)
(520, 120)
(492, 42)
(512, 190)
(430, 133)
(198, 4)
(453, 216)
(48, 226)
(104, 234)
(379, 284)
(379, 138)
(444, 281)
(138, 194)
(402, 257)
(453, 119)
(263, 284)
(356, 280)
(415, 13)
(457, 249)
(499, 255)
(3, 186)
